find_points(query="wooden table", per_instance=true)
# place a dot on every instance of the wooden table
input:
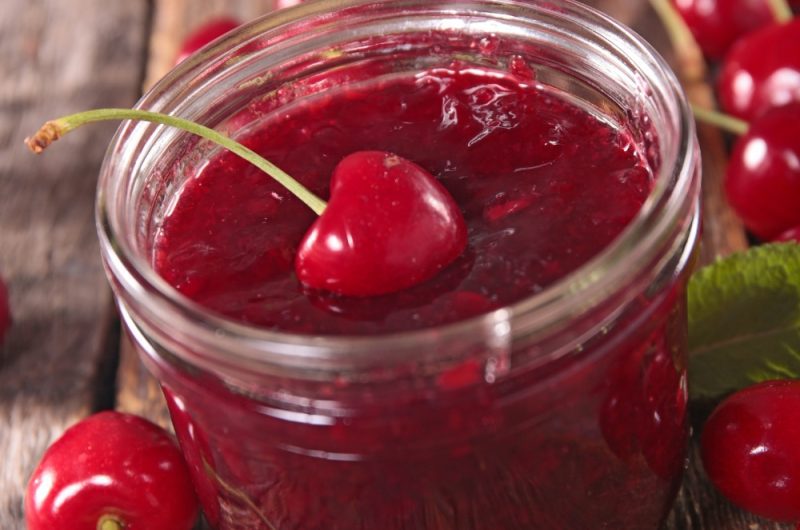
(64, 358)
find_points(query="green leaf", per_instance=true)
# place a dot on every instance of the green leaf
(744, 321)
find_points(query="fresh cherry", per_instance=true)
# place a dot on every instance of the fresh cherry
(206, 33)
(5, 312)
(762, 181)
(389, 225)
(717, 24)
(111, 471)
(280, 4)
(751, 452)
(762, 70)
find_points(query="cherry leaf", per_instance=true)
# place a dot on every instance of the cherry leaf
(744, 321)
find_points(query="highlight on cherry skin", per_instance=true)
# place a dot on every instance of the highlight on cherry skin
(750, 449)
(762, 180)
(761, 71)
(111, 471)
(717, 24)
(793, 234)
(386, 211)
(280, 4)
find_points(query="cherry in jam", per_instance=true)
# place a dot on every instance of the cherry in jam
(544, 185)
(538, 199)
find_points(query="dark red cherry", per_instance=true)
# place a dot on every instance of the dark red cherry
(717, 24)
(389, 225)
(751, 450)
(111, 471)
(762, 181)
(761, 71)
(5, 311)
(206, 33)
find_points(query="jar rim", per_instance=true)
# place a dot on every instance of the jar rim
(232, 343)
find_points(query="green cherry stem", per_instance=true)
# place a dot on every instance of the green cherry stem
(55, 129)
(781, 10)
(718, 119)
(110, 522)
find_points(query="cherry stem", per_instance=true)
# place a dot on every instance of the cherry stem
(718, 119)
(55, 129)
(692, 65)
(781, 10)
(110, 522)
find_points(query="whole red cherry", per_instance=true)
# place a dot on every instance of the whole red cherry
(717, 24)
(204, 34)
(5, 311)
(762, 181)
(389, 225)
(751, 452)
(762, 70)
(111, 471)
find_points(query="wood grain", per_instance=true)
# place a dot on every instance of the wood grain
(55, 57)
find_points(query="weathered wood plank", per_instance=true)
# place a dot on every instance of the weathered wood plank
(55, 57)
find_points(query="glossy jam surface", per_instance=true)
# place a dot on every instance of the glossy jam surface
(595, 440)
(543, 186)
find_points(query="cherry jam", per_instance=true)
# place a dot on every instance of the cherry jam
(595, 439)
(543, 185)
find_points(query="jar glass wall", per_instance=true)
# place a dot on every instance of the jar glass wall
(564, 410)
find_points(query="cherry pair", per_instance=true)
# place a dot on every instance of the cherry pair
(759, 82)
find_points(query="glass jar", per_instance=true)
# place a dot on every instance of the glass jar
(565, 410)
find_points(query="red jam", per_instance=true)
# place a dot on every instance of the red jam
(593, 441)
(539, 195)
